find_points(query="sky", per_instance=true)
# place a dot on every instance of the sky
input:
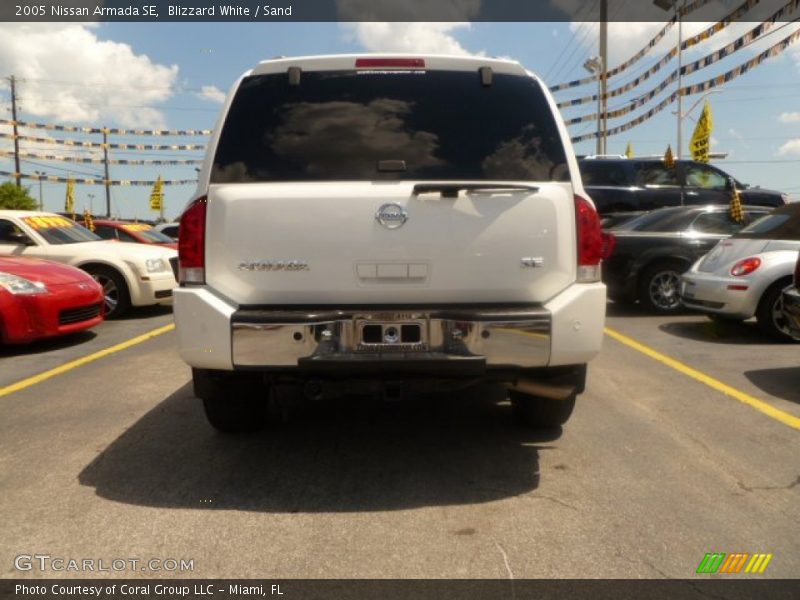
(176, 75)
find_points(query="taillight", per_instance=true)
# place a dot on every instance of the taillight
(390, 63)
(591, 245)
(191, 243)
(745, 266)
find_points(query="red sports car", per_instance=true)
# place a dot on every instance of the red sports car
(41, 298)
(125, 231)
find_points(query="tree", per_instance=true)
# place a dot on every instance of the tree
(16, 198)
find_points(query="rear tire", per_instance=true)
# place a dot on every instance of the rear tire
(233, 402)
(769, 317)
(659, 287)
(541, 413)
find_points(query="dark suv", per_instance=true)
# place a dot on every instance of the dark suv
(639, 184)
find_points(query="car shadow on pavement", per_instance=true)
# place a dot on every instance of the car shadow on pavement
(781, 383)
(145, 312)
(340, 456)
(48, 345)
(629, 309)
(706, 330)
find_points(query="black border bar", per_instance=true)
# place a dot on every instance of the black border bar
(264, 11)
(733, 588)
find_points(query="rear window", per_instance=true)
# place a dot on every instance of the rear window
(781, 225)
(604, 173)
(338, 125)
(656, 174)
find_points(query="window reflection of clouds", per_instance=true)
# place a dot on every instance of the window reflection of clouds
(521, 157)
(361, 133)
(235, 172)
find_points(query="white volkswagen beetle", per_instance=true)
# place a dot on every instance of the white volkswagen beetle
(743, 276)
(131, 274)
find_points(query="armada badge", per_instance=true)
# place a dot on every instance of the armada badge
(391, 215)
(273, 265)
(531, 262)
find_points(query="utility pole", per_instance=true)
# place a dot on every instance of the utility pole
(39, 175)
(107, 179)
(603, 70)
(679, 16)
(18, 173)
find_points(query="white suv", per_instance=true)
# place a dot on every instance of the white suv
(386, 224)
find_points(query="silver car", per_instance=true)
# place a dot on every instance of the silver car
(744, 276)
(791, 303)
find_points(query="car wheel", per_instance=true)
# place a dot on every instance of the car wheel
(538, 412)
(117, 299)
(659, 287)
(233, 403)
(769, 314)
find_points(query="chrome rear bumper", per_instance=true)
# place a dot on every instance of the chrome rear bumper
(517, 338)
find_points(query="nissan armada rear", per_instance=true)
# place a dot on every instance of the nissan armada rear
(388, 224)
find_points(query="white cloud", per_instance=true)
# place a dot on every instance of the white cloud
(789, 117)
(795, 55)
(790, 147)
(434, 38)
(212, 93)
(735, 134)
(68, 74)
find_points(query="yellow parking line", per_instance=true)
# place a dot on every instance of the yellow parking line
(759, 405)
(21, 385)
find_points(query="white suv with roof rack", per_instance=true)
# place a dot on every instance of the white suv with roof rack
(386, 225)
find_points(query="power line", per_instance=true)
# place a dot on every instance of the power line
(578, 45)
(178, 89)
(766, 162)
(185, 108)
(55, 168)
(571, 39)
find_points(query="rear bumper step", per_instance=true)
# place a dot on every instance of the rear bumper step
(452, 339)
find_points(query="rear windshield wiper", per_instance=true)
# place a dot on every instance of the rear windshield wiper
(450, 190)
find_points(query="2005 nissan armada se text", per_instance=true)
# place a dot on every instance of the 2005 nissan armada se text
(388, 224)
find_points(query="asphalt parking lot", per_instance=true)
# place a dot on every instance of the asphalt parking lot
(661, 463)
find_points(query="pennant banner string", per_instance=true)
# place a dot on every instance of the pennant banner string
(698, 88)
(120, 182)
(687, 43)
(736, 45)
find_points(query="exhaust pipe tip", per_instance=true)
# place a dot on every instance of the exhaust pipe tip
(544, 389)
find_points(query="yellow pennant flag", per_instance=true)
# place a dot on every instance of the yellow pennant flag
(157, 195)
(736, 208)
(701, 138)
(69, 203)
(669, 159)
(88, 221)
(629, 151)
